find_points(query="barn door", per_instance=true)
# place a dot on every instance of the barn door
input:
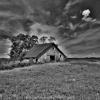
(52, 57)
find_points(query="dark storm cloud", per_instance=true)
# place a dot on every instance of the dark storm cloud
(87, 42)
(18, 8)
(13, 14)
(21, 10)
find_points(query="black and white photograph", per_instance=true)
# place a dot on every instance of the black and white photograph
(49, 49)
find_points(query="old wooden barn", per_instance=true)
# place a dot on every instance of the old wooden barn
(48, 52)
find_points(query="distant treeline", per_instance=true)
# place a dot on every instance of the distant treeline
(87, 58)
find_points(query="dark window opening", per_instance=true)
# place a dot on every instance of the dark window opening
(52, 58)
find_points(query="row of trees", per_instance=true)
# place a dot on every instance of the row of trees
(21, 43)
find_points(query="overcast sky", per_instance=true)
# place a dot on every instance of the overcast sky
(13, 11)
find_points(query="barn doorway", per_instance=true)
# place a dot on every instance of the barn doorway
(52, 58)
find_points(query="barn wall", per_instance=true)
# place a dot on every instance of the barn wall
(53, 51)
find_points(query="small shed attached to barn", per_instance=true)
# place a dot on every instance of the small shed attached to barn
(48, 52)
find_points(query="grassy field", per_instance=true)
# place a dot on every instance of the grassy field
(57, 81)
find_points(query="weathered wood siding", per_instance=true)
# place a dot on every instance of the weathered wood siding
(53, 51)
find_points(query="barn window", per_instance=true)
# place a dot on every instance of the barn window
(53, 48)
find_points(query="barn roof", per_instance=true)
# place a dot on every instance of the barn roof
(40, 49)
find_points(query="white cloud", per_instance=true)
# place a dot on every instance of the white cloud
(86, 13)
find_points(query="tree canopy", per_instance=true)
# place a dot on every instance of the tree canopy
(20, 44)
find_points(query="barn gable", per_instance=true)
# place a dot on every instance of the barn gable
(40, 51)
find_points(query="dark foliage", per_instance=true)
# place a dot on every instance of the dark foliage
(20, 44)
